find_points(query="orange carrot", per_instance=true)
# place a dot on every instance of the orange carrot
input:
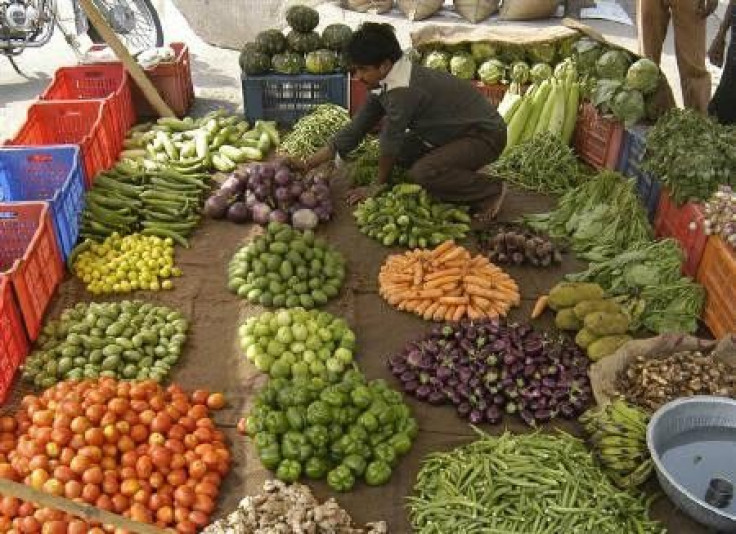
(455, 300)
(539, 306)
(442, 248)
(459, 312)
(439, 282)
(429, 312)
(440, 312)
(442, 274)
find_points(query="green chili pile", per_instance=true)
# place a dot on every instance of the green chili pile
(530, 484)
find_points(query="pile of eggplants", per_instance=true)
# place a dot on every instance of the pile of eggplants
(493, 367)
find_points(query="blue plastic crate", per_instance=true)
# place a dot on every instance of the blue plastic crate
(287, 98)
(53, 174)
(629, 164)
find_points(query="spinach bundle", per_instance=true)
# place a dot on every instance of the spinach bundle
(646, 281)
(691, 154)
(603, 217)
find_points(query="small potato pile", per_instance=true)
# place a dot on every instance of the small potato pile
(134, 449)
(447, 284)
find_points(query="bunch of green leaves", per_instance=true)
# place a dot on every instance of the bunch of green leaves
(691, 154)
(543, 163)
(315, 130)
(646, 281)
(603, 217)
(364, 170)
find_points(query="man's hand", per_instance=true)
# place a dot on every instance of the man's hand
(359, 194)
(706, 7)
(717, 51)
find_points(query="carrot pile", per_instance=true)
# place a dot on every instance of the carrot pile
(447, 284)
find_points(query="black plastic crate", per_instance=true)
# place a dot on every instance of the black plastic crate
(632, 154)
(287, 98)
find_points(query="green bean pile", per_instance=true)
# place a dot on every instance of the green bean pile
(525, 484)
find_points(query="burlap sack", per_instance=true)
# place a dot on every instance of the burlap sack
(476, 10)
(603, 373)
(455, 34)
(419, 9)
(528, 9)
(365, 6)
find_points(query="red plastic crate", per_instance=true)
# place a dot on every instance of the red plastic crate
(717, 274)
(173, 81)
(72, 122)
(494, 93)
(686, 224)
(109, 81)
(30, 259)
(597, 139)
(13, 341)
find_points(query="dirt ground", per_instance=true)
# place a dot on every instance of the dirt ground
(212, 359)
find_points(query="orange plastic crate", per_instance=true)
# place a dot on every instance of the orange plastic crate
(597, 139)
(173, 81)
(30, 259)
(108, 81)
(717, 274)
(494, 93)
(686, 224)
(13, 341)
(71, 122)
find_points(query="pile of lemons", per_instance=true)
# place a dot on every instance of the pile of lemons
(121, 264)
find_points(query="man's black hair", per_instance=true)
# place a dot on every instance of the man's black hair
(372, 44)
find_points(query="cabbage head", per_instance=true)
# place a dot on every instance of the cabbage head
(628, 106)
(483, 50)
(540, 71)
(414, 55)
(542, 52)
(586, 52)
(491, 71)
(643, 76)
(437, 60)
(613, 65)
(463, 66)
(520, 72)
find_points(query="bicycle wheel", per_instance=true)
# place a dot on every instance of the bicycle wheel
(135, 22)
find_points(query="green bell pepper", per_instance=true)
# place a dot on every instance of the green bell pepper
(286, 397)
(316, 468)
(410, 428)
(319, 413)
(384, 452)
(358, 433)
(277, 423)
(355, 463)
(336, 431)
(292, 443)
(401, 443)
(377, 473)
(289, 471)
(369, 421)
(392, 396)
(318, 435)
(341, 479)
(361, 396)
(353, 377)
(302, 395)
(297, 417)
(270, 456)
(254, 425)
(264, 439)
(333, 396)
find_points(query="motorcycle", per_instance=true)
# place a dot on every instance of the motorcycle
(31, 24)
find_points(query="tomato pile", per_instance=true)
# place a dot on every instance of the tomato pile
(133, 448)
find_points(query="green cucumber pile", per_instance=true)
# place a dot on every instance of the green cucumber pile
(406, 215)
(124, 340)
(287, 267)
(346, 431)
(299, 343)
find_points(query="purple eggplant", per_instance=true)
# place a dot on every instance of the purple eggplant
(408, 376)
(437, 397)
(528, 417)
(423, 391)
(476, 417)
(463, 409)
(410, 387)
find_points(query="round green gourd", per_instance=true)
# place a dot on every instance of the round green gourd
(302, 18)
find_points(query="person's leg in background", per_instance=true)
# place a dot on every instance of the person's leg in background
(652, 19)
(451, 172)
(690, 49)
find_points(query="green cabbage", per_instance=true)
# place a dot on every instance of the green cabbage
(586, 52)
(540, 71)
(613, 65)
(604, 93)
(483, 50)
(463, 66)
(520, 72)
(628, 106)
(437, 60)
(565, 46)
(542, 52)
(492, 71)
(643, 76)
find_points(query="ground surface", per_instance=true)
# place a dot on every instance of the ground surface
(212, 359)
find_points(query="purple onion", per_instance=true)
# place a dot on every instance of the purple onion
(494, 415)
(463, 409)
(436, 397)
(410, 387)
(476, 417)
(423, 392)
(282, 176)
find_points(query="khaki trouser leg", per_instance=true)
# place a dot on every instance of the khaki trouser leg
(652, 19)
(449, 172)
(690, 48)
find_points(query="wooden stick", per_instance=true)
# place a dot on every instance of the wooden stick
(85, 511)
(104, 29)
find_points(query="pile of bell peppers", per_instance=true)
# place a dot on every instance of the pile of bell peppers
(343, 430)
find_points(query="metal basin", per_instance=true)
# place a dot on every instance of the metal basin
(693, 444)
